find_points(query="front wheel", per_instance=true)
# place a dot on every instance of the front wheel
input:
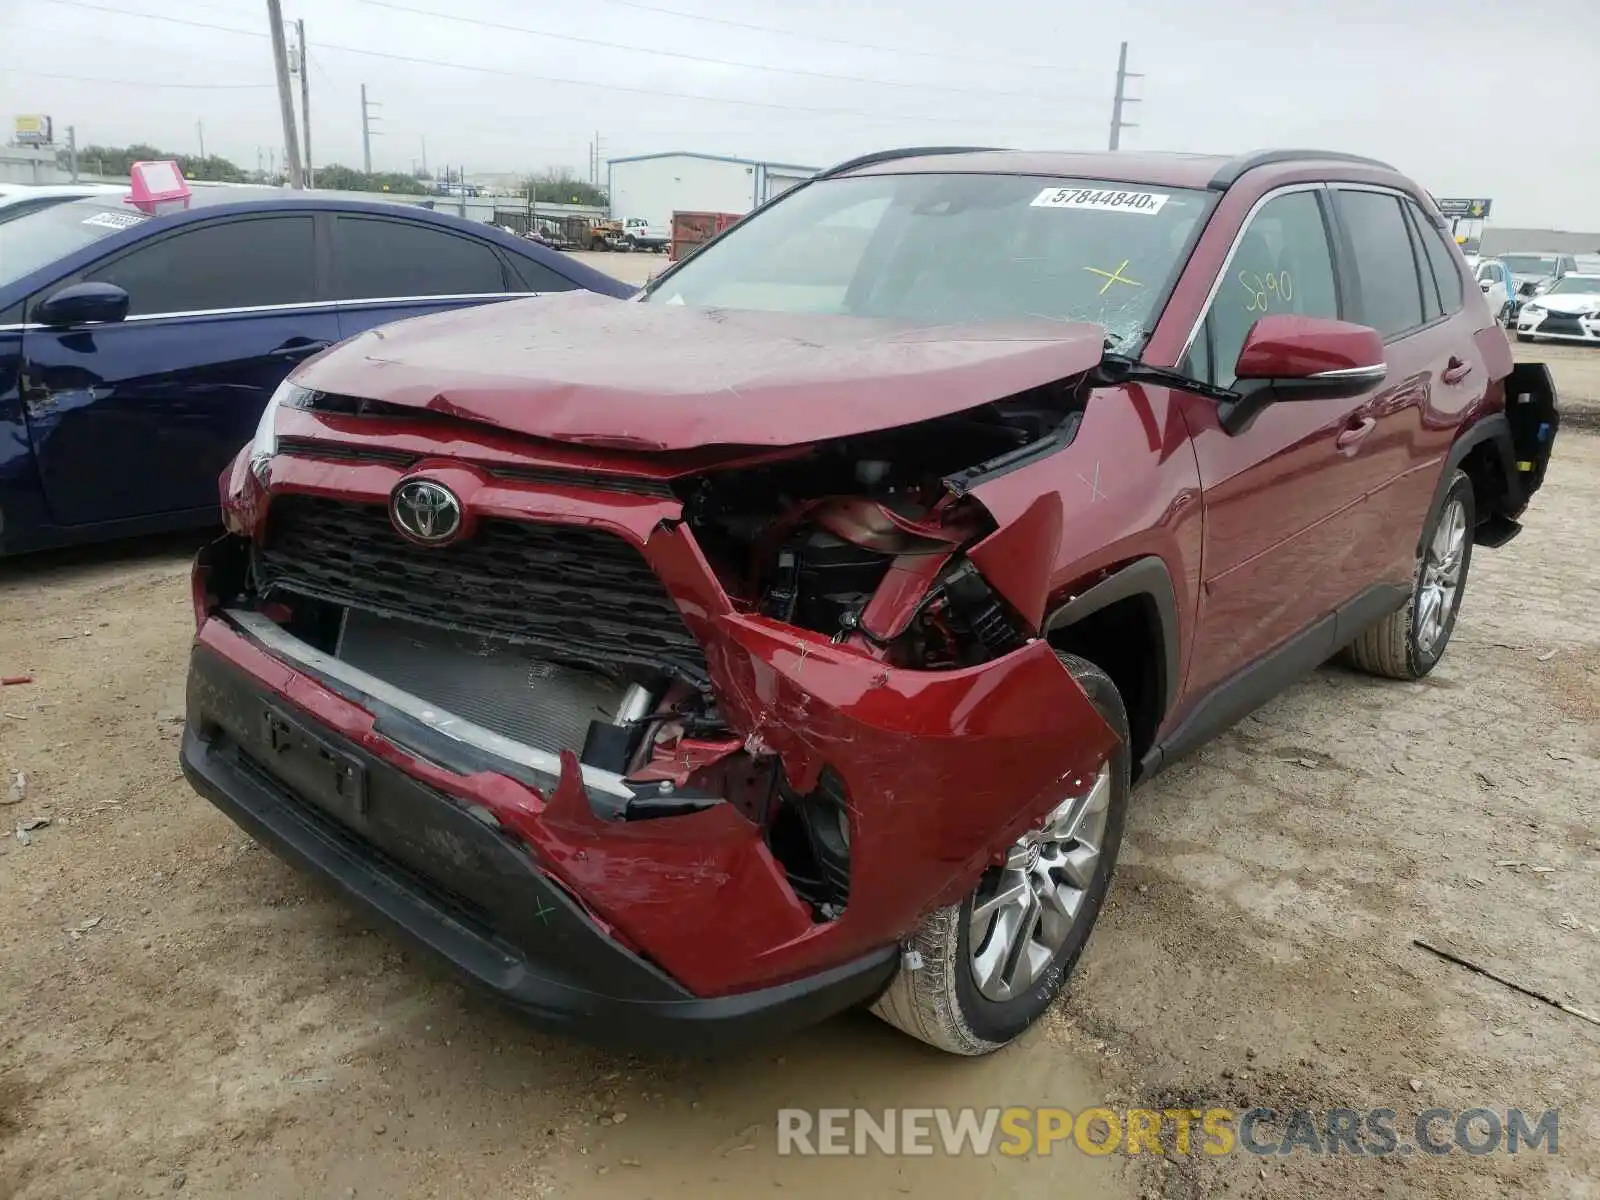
(991, 965)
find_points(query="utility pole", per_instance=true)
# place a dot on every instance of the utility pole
(424, 139)
(200, 128)
(367, 132)
(280, 62)
(72, 151)
(1121, 97)
(305, 99)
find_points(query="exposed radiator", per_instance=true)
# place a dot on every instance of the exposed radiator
(488, 680)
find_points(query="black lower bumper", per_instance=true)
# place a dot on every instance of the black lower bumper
(449, 879)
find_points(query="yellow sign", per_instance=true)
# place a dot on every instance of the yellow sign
(31, 129)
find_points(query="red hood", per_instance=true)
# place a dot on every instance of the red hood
(591, 370)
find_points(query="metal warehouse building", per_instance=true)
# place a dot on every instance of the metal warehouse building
(654, 186)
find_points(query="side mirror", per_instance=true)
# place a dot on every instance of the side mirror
(1288, 357)
(83, 304)
(1304, 354)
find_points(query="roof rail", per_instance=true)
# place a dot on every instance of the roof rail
(883, 156)
(1230, 171)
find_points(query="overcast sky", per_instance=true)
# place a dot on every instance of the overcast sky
(1472, 97)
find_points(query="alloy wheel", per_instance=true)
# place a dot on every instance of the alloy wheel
(1025, 911)
(1441, 575)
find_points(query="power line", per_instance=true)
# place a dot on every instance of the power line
(819, 37)
(123, 12)
(143, 83)
(654, 93)
(701, 58)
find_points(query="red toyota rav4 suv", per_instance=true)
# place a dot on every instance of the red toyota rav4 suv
(789, 636)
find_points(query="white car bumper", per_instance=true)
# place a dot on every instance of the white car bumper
(1568, 327)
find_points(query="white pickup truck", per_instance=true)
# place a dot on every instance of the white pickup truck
(639, 234)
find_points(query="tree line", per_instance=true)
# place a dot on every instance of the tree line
(554, 185)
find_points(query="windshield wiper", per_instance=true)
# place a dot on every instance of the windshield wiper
(1119, 368)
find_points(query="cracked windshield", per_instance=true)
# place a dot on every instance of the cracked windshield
(952, 248)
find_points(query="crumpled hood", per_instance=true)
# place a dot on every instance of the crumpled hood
(586, 369)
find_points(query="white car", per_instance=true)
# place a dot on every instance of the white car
(1569, 310)
(1535, 273)
(19, 198)
(1495, 281)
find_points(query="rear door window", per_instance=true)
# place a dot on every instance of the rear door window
(225, 264)
(1388, 289)
(378, 258)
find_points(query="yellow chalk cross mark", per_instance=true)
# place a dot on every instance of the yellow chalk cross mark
(1114, 276)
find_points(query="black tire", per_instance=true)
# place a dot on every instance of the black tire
(1391, 648)
(939, 1002)
(630, 245)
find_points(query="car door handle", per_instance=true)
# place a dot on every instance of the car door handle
(296, 348)
(1455, 371)
(1352, 437)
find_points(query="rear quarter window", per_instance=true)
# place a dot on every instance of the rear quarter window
(536, 277)
(1440, 260)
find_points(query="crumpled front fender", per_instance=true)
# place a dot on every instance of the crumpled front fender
(941, 770)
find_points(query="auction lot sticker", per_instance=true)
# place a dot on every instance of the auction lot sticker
(1101, 200)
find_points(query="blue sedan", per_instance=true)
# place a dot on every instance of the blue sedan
(139, 344)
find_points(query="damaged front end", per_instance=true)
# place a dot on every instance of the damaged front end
(749, 714)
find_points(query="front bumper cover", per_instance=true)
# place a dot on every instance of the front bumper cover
(425, 865)
(940, 770)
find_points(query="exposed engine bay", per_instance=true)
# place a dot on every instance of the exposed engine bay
(809, 541)
(566, 638)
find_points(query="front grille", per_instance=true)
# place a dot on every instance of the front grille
(582, 594)
(344, 452)
(1557, 323)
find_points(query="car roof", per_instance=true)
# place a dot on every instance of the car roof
(210, 201)
(1164, 168)
(12, 193)
(212, 195)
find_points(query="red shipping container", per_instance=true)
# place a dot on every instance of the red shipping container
(690, 229)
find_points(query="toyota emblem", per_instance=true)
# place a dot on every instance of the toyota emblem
(426, 511)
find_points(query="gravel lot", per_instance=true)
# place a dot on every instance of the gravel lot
(180, 1010)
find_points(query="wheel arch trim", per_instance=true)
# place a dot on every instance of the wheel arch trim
(1143, 577)
(1496, 429)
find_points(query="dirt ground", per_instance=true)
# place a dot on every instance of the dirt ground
(178, 1010)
